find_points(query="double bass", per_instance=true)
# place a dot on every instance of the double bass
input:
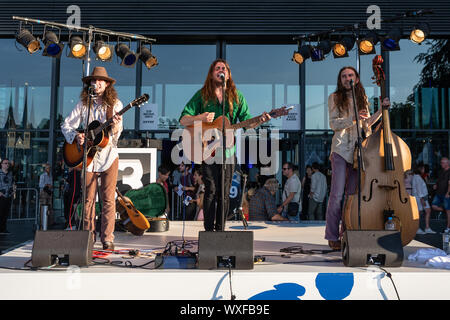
(383, 191)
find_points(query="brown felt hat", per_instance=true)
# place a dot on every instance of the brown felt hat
(98, 73)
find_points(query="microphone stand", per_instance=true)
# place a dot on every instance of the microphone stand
(91, 95)
(223, 153)
(358, 152)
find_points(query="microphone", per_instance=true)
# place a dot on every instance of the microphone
(222, 76)
(91, 90)
(351, 82)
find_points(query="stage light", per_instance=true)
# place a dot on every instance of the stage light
(52, 46)
(419, 33)
(128, 57)
(342, 47)
(78, 48)
(391, 41)
(148, 58)
(318, 52)
(26, 39)
(103, 50)
(301, 55)
(367, 44)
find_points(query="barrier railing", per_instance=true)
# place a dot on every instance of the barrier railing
(25, 204)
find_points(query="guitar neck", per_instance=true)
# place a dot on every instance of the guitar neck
(108, 122)
(249, 122)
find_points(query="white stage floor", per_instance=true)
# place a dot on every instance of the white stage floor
(287, 276)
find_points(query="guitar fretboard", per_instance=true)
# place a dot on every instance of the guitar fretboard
(249, 122)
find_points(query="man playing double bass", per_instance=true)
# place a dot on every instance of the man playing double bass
(106, 162)
(343, 122)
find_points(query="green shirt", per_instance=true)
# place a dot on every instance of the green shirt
(197, 106)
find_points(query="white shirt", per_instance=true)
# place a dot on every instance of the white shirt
(419, 190)
(45, 179)
(293, 185)
(103, 159)
(318, 186)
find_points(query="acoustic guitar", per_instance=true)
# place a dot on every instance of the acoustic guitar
(133, 215)
(97, 137)
(201, 139)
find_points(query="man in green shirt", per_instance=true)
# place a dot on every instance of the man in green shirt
(206, 106)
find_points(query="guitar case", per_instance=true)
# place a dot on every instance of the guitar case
(152, 201)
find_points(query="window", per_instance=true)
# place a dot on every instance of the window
(266, 76)
(24, 86)
(181, 71)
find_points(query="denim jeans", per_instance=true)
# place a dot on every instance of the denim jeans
(343, 180)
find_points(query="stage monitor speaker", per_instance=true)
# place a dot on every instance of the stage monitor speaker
(222, 249)
(362, 248)
(61, 247)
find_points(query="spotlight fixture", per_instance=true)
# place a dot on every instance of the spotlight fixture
(78, 47)
(301, 55)
(146, 56)
(103, 50)
(53, 48)
(318, 52)
(128, 57)
(342, 47)
(419, 33)
(28, 41)
(391, 41)
(367, 44)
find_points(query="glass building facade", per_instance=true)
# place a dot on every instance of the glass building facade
(37, 93)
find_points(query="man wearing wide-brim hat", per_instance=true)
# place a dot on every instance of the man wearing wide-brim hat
(105, 163)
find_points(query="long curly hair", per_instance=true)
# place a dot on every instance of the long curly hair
(341, 98)
(208, 88)
(109, 98)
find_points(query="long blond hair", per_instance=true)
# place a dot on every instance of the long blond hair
(208, 88)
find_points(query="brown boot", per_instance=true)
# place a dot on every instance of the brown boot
(335, 245)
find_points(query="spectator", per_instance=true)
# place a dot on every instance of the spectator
(317, 193)
(199, 193)
(176, 175)
(291, 193)
(441, 200)
(424, 170)
(262, 205)
(416, 187)
(46, 191)
(187, 182)
(6, 191)
(163, 175)
(306, 187)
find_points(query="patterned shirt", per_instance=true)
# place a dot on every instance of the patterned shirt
(106, 156)
(6, 183)
(345, 134)
(262, 205)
